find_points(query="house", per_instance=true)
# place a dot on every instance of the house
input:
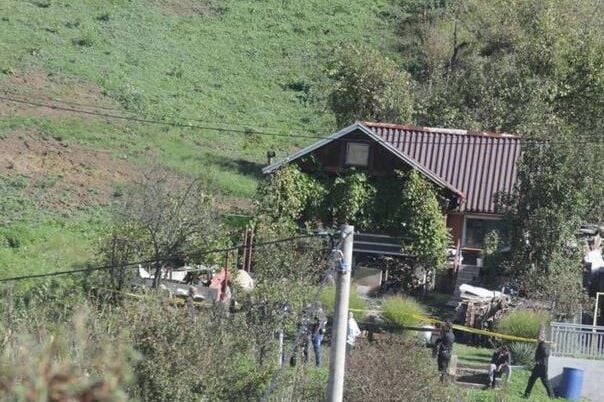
(471, 169)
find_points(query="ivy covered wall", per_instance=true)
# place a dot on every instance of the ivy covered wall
(406, 206)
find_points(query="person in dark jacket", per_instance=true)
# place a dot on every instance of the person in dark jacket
(501, 362)
(540, 369)
(317, 330)
(444, 349)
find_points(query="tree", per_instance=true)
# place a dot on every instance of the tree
(505, 65)
(369, 86)
(285, 196)
(549, 203)
(163, 219)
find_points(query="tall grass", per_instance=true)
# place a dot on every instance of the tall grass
(401, 311)
(355, 302)
(523, 323)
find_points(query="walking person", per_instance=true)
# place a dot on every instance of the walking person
(444, 350)
(501, 362)
(540, 369)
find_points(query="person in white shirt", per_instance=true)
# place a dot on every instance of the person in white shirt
(353, 330)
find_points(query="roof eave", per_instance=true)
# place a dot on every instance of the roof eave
(304, 151)
(369, 132)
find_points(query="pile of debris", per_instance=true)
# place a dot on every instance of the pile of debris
(480, 308)
(198, 282)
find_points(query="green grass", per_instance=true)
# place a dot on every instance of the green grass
(355, 302)
(47, 245)
(471, 354)
(511, 392)
(257, 64)
(523, 323)
(253, 64)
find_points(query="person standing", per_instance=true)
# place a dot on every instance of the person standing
(317, 330)
(444, 349)
(501, 362)
(540, 369)
(352, 332)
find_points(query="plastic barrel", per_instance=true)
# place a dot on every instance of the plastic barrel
(572, 383)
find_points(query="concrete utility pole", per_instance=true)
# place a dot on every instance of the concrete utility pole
(335, 387)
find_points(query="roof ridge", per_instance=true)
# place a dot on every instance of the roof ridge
(454, 131)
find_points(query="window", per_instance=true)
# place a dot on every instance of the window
(357, 154)
(476, 230)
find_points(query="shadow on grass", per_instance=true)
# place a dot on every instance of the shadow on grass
(482, 378)
(238, 165)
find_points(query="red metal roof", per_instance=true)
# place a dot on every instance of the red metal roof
(477, 163)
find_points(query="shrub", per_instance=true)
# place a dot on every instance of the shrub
(393, 368)
(522, 353)
(402, 311)
(355, 302)
(523, 323)
(76, 361)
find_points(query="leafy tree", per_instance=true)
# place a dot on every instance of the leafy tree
(369, 86)
(162, 219)
(550, 201)
(405, 205)
(511, 65)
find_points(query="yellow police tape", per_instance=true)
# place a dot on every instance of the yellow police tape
(422, 318)
(463, 328)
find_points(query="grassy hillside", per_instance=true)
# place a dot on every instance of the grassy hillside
(241, 64)
(238, 64)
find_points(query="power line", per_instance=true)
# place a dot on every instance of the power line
(149, 121)
(163, 258)
(116, 110)
(598, 139)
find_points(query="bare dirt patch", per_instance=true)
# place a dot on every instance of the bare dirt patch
(61, 175)
(52, 89)
(64, 176)
(192, 8)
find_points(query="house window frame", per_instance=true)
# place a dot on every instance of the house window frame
(480, 217)
(366, 145)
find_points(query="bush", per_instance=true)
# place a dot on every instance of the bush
(75, 361)
(393, 368)
(355, 302)
(523, 323)
(522, 353)
(403, 311)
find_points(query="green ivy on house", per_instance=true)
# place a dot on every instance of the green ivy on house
(404, 205)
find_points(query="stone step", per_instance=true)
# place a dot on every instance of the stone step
(477, 367)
